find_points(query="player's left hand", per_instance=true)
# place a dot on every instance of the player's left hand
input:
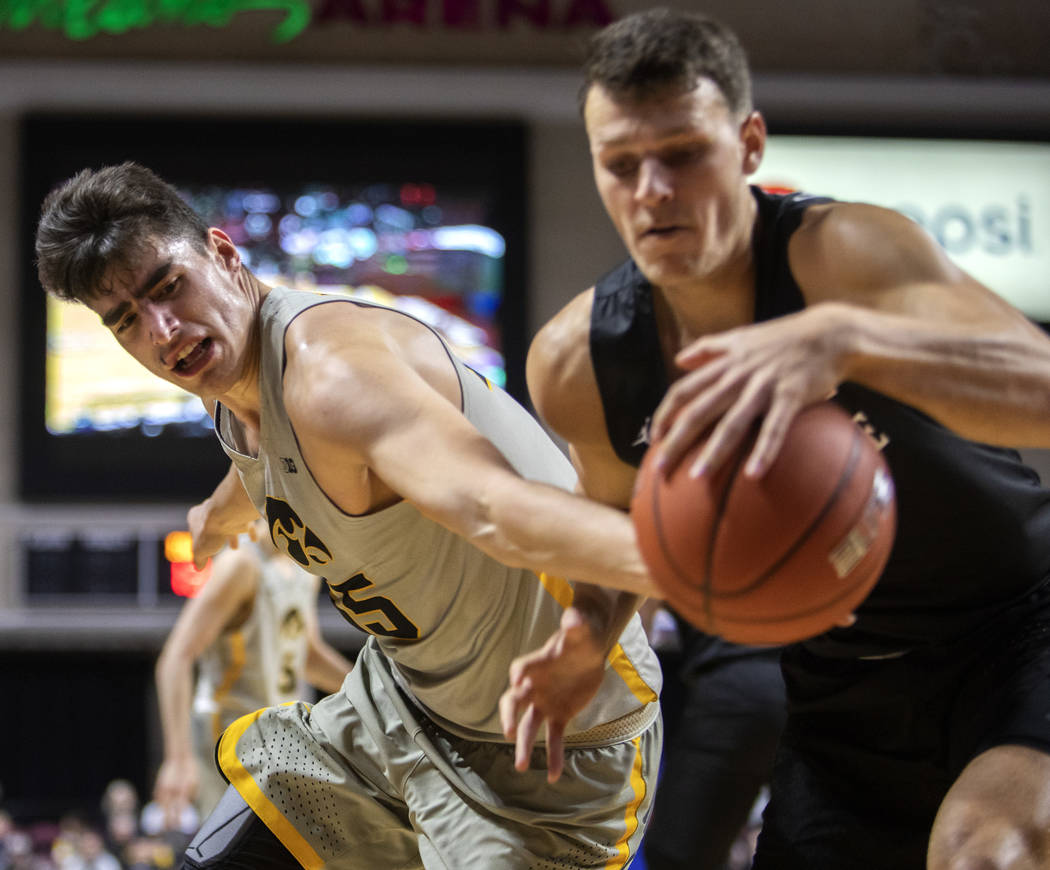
(549, 686)
(209, 537)
(768, 370)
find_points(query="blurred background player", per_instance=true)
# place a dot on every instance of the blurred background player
(253, 635)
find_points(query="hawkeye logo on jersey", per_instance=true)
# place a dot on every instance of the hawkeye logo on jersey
(289, 465)
(290, 535)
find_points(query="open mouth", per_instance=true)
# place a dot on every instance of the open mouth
(192, 357)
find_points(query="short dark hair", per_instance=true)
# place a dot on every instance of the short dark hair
(660, 51)
(101, 218)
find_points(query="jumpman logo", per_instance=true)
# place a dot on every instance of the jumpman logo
(643, 433)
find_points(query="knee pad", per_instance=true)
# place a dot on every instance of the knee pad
(219, 835)
(234, 838)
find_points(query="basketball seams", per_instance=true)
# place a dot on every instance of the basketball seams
(667, 553)
(788, 617)
(698, 535)
(715, 528)
(841, 485)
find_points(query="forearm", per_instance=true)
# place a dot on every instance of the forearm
(174, 682)
(607, 611)
(229, 506)
(326, 668)
(547, 529)
(988, 383)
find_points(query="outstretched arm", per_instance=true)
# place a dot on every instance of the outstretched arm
(885, 308)
(404, 434)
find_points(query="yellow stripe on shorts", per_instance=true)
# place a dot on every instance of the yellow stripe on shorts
(260, 804)
(623, 849)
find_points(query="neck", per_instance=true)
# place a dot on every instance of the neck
(243, 398)
(721, 301)
(714, 302)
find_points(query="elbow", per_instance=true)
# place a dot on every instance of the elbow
(161, 666)
(171, 663)
(500, 528)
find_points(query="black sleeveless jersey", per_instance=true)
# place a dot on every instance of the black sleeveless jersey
(973, 532)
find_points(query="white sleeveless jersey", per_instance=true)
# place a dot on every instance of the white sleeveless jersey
(261, 663)
(449, 617)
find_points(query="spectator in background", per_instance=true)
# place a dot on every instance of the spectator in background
(120, 814)
(91, 853)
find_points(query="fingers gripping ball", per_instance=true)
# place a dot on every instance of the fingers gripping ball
(777, 559)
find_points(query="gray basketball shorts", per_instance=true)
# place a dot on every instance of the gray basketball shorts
(363, 779)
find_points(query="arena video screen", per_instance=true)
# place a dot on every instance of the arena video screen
(441, 242)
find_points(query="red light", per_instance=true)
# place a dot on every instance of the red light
(410, 194)
(187, 581)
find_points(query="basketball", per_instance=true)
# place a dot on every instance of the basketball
(777, 559)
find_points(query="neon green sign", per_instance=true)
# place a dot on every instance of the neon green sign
(83, 19)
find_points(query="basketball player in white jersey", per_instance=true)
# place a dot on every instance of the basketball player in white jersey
(437, 510)
(252, 636)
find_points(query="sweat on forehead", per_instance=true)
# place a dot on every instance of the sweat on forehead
(117, 270)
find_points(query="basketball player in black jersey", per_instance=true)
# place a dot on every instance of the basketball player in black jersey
(919, 735)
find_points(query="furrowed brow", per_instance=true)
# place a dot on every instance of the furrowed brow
(114, 315)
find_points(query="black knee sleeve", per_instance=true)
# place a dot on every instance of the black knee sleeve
(234, 838)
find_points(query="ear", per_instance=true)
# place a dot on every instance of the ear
(224, 249)
(753, 137)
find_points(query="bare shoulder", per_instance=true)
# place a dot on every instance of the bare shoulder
(846, 250)
(234, 581)
(564, 390)
(857, 222)
(336, 351)
(338, 327)
(560, 373)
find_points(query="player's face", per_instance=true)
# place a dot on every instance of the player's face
(671, 172)
(184, 315)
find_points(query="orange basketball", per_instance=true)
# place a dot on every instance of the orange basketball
(777, 559)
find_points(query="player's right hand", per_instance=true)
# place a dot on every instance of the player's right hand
(762, 372)
(548, 687)
(177, 782)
